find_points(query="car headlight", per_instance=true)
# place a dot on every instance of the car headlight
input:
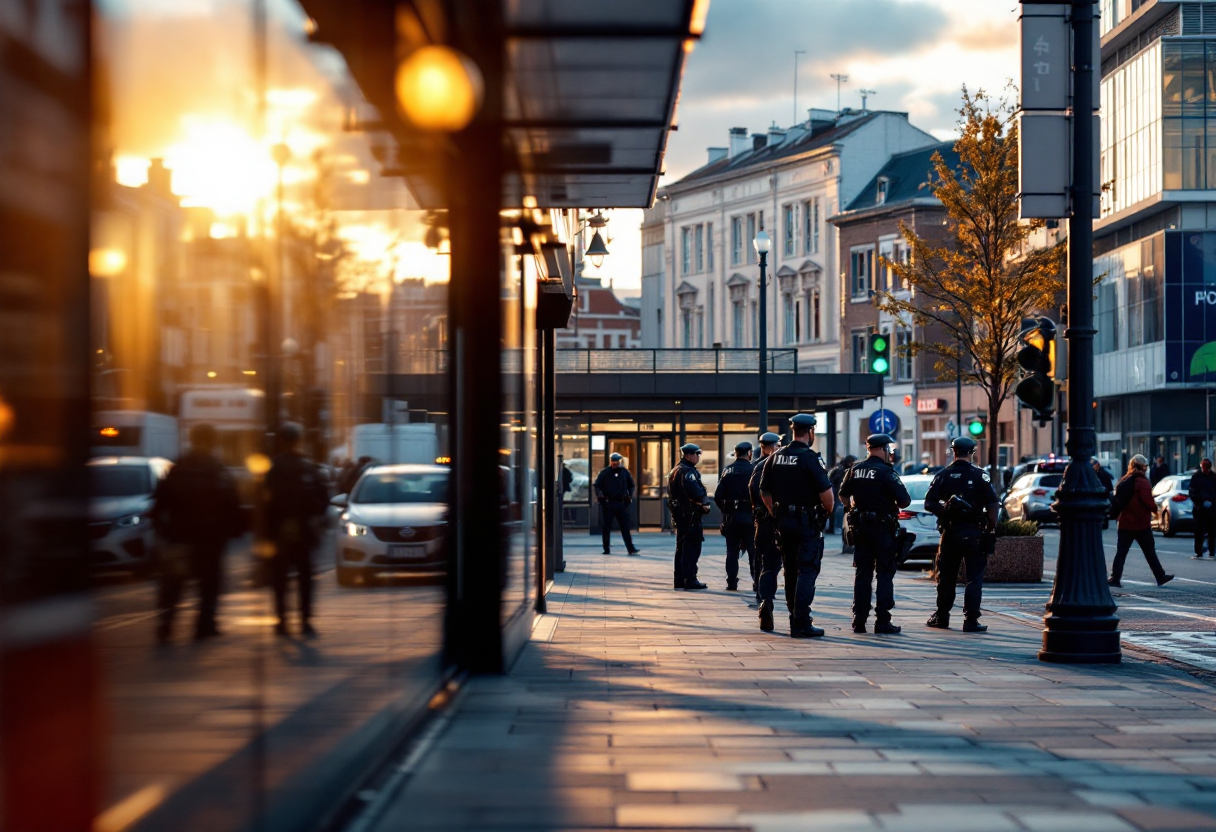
(355, 530)
(129, 521)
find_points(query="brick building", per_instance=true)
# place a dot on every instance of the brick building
(601, 320)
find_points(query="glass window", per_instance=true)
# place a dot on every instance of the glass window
(860, 341)
(393, 487)
(749, 250)
(790, 325)
(686, 250)
(903, 354)
(815, 335)
(789, 226)
(861, 268)
(736, 240)
(709, 246)
(698, 248)
(738, 312)
(815, 226)
(119, 480)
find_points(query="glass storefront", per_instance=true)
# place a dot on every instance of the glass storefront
(1130, 308)
(1131, 131)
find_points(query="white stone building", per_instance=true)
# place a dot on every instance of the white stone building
(787, 182)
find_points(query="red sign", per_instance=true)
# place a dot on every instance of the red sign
(930, 405)
(908, 401)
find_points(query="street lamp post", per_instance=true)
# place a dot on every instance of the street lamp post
(762, 244)
(1080, 625)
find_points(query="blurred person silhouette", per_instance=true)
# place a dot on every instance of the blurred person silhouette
(195, 512)
(296, 500)
(351, 473)
(1158, 472)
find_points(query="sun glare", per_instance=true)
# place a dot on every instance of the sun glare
(220, 166)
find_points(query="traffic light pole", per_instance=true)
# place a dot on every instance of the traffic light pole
(1080, 625)
(763, 343)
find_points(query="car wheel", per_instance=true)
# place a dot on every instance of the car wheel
(1025, 515)
(347, 577)
(1167, 528)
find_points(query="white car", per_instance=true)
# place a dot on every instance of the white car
(121, 490)
(919, 522)
(392, 523)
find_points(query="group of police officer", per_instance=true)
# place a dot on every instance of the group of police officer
(775, 509)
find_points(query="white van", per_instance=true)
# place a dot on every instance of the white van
(134, 433)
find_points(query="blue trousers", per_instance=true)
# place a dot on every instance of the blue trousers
(801, 546)
(737, 530)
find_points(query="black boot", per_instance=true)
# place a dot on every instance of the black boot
(732, 586)
(807, 630)
(859, 625)
(974, 626)
(766, 616)
(693, 583)
(939, 620)
(886, 628)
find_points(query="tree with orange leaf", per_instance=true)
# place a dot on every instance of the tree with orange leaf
(973, 293)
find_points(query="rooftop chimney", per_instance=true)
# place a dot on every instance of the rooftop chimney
(716, 153)
(738, 141)
(160, 178)
(776, 135)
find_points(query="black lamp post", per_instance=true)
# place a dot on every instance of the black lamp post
(762, 244)
(1080, 626)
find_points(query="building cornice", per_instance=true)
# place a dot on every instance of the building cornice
(870, 212)
(677, 188)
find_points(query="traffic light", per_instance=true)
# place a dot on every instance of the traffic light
(976, 427)
(879, 353)
(1036, 390)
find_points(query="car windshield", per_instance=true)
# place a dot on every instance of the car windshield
(917, 490)
(120, 480)
(425, 487)
(1050, 481)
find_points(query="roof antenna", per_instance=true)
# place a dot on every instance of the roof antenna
(839, 79)
(864, 95)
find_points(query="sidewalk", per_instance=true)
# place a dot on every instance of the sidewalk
(643, 708)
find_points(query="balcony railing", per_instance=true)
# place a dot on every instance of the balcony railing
(675, 361)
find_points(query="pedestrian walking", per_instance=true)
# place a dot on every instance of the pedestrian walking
(1202, 491)
(195, 513)
(796, 491)
(686, 499)
(1108, 482)
(963, 500)
(735, 503)
(873, 494)
(768, 554)
(614, 491)
(1159, 471)
(296, 500)
(1136, 507)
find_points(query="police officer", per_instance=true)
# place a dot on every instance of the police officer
(686, 497)
(736, 505)
(795, 489)
(873, 494)
(614, 490)
(962, 497)
(768, 555)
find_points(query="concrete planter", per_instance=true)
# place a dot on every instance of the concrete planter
(1017, 560)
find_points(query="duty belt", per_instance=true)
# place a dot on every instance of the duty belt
(734, 505)
(792, 510)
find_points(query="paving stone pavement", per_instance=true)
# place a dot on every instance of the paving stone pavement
(638, 707)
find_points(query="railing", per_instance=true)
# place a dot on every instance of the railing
(675, 361)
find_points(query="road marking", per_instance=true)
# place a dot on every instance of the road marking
(1178, 646)
(130, 809)
(1178, 613)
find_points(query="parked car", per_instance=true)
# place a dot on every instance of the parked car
(580, 484)
(919, 522)
(121, 489)
(393, 522)
(1031, 497)
(1175, 512)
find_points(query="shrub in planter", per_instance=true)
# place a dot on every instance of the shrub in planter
(1018, 558)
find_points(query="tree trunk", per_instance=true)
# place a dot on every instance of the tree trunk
(994, 437)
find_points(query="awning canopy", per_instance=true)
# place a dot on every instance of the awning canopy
(589, 92)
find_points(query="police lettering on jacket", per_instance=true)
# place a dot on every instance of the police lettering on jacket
(731, 493)
(874, 486)
(795, 476)
(964, 479)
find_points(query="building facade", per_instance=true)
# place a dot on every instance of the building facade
(785, 182)
(1155, 244)
(601, 320)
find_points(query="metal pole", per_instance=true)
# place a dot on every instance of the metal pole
(958, 390)
(1080, 625)
(763, 344)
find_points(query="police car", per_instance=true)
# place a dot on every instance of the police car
(393, 523)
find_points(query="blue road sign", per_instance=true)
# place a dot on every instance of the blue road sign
(884, 421)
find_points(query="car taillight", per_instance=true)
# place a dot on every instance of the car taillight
(1180, 498)
(1039, 492)
(907, 515)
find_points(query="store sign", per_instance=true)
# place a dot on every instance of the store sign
(930, 405)
(1190, 307)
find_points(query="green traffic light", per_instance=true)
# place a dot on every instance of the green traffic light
(880, 365)
(976, 428)
(880, 344)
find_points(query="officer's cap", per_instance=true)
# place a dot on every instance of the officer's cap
(615, 457)
(963, 445)
(879, 440)
(803, 420)
(769, 438)
(743, 448)
(690, 449)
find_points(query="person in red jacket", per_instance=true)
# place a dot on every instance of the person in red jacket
(1135, 495)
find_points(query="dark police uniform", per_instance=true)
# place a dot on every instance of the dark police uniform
(876, 495)
(768, 554)
(962, 535)
(795, 477)
(686, 497)
(733, 499)
(614, 490)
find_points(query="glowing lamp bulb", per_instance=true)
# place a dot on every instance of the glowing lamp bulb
(439, 89)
